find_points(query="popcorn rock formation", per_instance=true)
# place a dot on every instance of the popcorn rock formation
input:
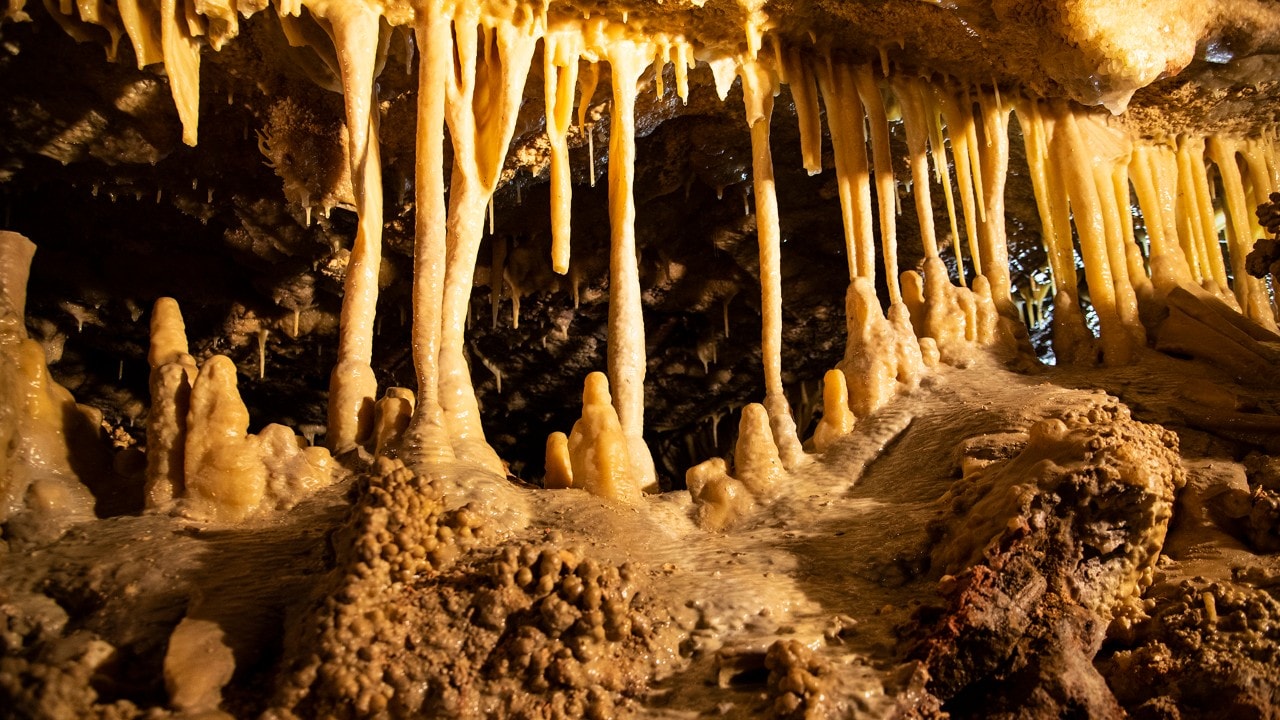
(973, 283)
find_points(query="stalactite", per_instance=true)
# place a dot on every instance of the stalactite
(846, 121)
(886, 186)
(560, 52)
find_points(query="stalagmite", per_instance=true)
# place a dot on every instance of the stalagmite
(199, 452)
(756, 462)
(559, 464)
(949, 314)
(837, 419)
(986, 327)
(758, 471)
(391, 417)
(166, 432)
(41, 428)
(882, 356)
(197, 665)
(173, 372)
(913, 297)
(627, 61)
(599, 451)
(295, 470)
(225, 478)
(352, 385)
(722, 500)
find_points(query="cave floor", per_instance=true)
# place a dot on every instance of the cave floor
(838, 558)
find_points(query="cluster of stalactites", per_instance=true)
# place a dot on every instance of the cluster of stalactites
(954, 318)
(479, 71)
(1084, 171)
(474, 62)
(932, 318)
(168, 32)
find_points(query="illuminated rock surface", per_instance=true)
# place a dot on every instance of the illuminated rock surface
(337, 286)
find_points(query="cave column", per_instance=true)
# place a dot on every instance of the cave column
(758, 86)
(626, 360)
(428, 435)
(1150, 169)
(1073, 157)
(483, 95)
(917, 130)
(1200, 199)
(352, 385)
(1250, 291)
(964, 149)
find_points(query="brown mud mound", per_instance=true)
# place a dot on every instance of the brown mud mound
(402, 629)
(1208, 650)
(1047, 537)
